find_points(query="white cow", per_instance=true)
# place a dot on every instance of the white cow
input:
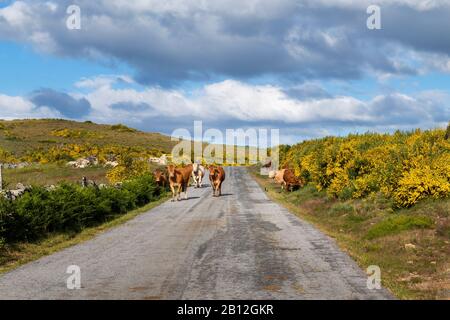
(198, 172)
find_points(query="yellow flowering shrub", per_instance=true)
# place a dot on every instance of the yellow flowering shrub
(419, 183)
(129, 167)
(69, 152)
(406, 166)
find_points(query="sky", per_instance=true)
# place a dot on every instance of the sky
(309, 68)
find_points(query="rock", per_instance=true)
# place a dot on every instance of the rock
(71, 164)
(409, 246)
(82, 163)
(112, 164)
(20, 186)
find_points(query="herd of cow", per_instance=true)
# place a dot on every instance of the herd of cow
(179, 177)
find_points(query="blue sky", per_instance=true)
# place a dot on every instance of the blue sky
(28, 70)
(309, 68)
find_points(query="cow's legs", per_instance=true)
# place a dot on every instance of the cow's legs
(185, 191)
(173, 192)
(179, 192)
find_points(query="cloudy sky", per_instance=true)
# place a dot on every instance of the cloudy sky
(308, 67)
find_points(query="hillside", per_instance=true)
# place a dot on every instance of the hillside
(24, 137)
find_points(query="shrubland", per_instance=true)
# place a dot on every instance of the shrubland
(405, 166)
(70, 208)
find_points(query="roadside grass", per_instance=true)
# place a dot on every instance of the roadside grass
(51, 174)
(373, 233)
(15, 255)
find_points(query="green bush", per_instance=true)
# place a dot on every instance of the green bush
(70, 208)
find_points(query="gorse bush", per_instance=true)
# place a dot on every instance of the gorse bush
(70, 208)
(128, 168)
(404, 166)
(73, 151)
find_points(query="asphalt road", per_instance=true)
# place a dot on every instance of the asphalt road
(238, 246)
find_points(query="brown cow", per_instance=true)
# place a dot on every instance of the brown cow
(179, 179)
(216, 176)
(160, 178)
(290, 180)
(278, 177)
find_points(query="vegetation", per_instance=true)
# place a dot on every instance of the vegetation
(53, 140)
(406, 166)
(129, 167)
(70, 208)
(410, 245)
(44, 220)
(51, 174)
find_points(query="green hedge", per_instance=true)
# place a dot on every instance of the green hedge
(70, 208)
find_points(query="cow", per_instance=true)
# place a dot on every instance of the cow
(216, 176)
(160, 178)
(290, 180)
(198, 172)
(179, 179)
(279, 177)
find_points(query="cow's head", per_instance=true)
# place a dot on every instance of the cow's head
(212, 170)
(171, 171)
(158, 175)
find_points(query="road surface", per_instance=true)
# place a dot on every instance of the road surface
(238, 246)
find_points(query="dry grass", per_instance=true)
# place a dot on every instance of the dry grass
(41, 175)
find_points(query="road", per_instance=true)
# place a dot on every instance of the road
(238, 246)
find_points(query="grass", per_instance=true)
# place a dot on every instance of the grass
(373, 233)
(398, 223)
(22, 136)
(51, 174)
(13, 256)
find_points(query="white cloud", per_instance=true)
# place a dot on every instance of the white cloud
(420, 5)
(232, 101)
(13, 107)
(17, 14)
(102, 81)
(232, 104)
